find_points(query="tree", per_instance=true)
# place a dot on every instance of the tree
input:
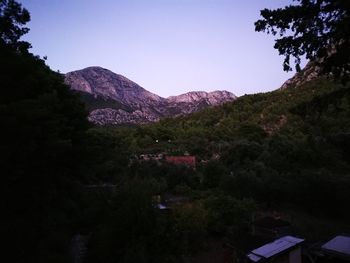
(42, 148)
(316, 29)
(133, 230)
(190, 224)
(12, 20)
(225, 211)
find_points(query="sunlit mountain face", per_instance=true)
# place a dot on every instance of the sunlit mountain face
(113, 99)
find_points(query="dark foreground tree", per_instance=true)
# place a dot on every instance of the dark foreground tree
(316, 29)
(13, 18)
(41, 145)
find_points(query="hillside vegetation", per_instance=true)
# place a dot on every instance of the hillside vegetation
(289, 145)
(283, 150)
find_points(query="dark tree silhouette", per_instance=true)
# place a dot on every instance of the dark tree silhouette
(41, 148)
(12, 20)
(318, 29)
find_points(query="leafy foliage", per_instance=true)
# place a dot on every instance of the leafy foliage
(264, 146)
(316, 29)
(12, 20)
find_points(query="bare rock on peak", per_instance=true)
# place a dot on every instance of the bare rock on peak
(212, 98)
(310, 72)
(114, 99)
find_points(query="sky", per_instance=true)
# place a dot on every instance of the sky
(168, 47)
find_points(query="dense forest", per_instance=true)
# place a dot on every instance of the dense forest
(289, 145)
(286, 149)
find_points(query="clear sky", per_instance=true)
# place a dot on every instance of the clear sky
(169, 47)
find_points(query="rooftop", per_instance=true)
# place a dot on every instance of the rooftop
(161, 207)
(339, 244)
(274, 248)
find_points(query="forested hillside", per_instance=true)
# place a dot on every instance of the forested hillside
(287, 149)
(289, 145)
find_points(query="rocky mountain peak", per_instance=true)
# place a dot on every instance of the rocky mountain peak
(114, 99)
(213, 98)
(105, 83)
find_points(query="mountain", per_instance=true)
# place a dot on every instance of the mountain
(310, 72)
(197, 100)
(113, 99)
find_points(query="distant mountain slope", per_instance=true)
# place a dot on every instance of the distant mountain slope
(267, 113)
(197, 100)
(113, 99)
(100, 81)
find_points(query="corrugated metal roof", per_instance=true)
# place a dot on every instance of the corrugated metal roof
(274, 248)
(162, 207)
(253, 257)
(340, 244)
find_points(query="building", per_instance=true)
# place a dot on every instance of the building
(149, 157)
(286, 249)
(158, 204)
(335, 250)
(185, 160)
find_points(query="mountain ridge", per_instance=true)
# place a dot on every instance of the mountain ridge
(143, 106)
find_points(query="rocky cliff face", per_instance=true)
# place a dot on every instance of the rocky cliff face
(309, 72)
(114, 99)
(212, 98)
(198, 100)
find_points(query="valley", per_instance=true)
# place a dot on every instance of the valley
(95, 168)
